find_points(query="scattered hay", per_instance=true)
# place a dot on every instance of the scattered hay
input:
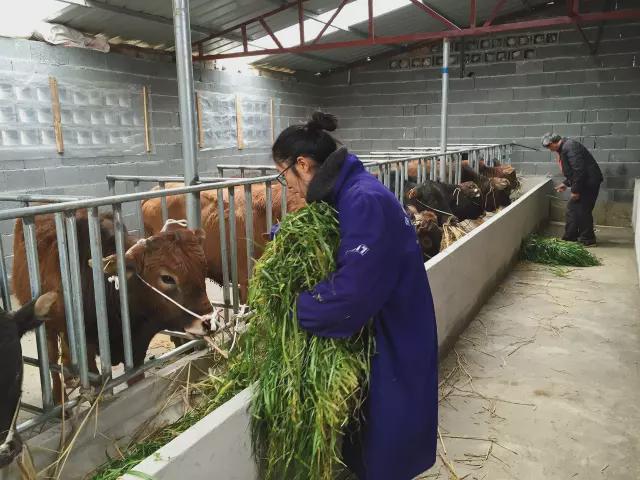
(452, 231)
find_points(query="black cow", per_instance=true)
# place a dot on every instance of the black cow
(13, 325)
(461, 201)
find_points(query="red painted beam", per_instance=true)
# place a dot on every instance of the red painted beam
(270, 32)
(372, 32)
(435, 14)
(473, 13)
(301, 21)
(494, 12)
(333, 17)
(628, 14)
(257, 18)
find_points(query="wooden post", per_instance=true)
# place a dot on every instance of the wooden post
(239, 123)
(145, 105)
(55, 108)
(199, 117)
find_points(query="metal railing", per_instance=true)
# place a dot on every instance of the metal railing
(393, 172)
(64, 210)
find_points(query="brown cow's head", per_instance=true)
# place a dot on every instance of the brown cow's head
(427, 229)
(500, 183)
(173, 262)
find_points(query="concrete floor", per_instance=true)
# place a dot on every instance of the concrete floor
(544, 383)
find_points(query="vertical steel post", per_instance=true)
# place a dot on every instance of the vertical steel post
(444, 110)
(31, 248)
(186, 98)
(4, 279)
(121, 264)
(65, 276)
(233, 244)
(248, 226)
(223, 252)
(100, 294)
(163, 203)
(269, 200)
(76, 288)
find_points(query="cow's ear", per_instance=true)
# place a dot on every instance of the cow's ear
(110, 265)
(200, 235)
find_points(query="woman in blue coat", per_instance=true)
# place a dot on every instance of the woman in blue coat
(380, 275)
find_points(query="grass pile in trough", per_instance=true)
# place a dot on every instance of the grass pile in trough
(556, 252)
(452, 231)
(307, 388)
(214, 390)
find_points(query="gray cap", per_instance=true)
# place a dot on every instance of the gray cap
(549, 138)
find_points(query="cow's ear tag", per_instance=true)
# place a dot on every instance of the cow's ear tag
(110, 266)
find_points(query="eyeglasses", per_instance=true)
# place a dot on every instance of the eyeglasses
(282, 180)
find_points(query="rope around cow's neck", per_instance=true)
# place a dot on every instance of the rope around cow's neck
(432, 208)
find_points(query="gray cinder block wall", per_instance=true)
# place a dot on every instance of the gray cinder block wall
(562, 88)
(74, 173)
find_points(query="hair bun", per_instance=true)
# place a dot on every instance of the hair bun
(322, 121)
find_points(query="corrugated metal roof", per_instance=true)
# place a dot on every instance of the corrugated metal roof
(149, 23)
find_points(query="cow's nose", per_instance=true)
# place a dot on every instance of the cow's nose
(206, 324)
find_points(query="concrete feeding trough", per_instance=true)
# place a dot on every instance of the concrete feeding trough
(221, 441)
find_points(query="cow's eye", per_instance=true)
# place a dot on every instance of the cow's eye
(168, 280)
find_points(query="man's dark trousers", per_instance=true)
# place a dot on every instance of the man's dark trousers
(579, 220)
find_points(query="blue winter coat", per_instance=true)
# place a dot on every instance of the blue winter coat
(380, 275)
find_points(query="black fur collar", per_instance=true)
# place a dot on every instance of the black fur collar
(321, 186)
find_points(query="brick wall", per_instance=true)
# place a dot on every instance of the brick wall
(24, 169)
(595, 99)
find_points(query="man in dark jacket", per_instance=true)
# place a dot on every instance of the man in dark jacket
(584, 177)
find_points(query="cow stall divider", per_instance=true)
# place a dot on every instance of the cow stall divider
(392, 172)
(64, 210)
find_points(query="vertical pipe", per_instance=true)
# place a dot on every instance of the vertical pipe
(284, 202)
(445, 102)
(139, 214)
(65, 276)
(396, 180)
(269, 200)
(450, 178)
(184, 65)
(31, 248)
(100, 294)
(76, 288)
(4, 279)
(301, 21)
(112, 186)
(123, 291)
(458, 168)
(372, 32)
(248, 226)
(233, 241)
(163, 203)
(223, 253)
(476, 162)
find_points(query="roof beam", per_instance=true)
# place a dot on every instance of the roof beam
(494, 13)
(626, 14)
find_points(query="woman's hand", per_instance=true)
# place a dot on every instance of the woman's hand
(561, 187)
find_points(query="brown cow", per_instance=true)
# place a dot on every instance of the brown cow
(152, 213)
(172, 261)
